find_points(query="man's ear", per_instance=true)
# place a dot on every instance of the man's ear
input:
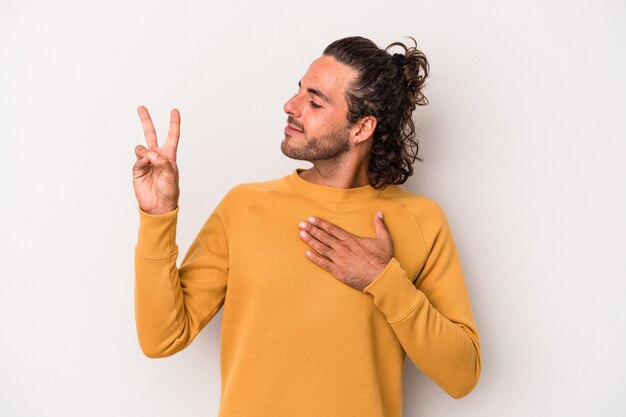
(363, 129)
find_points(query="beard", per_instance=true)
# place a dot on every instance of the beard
(318, 148)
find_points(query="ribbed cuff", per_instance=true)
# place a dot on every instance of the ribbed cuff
(394, 293)
(157, 234)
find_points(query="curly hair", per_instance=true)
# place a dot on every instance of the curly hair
(388, 87)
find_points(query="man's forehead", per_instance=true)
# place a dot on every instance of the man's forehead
(328, 75)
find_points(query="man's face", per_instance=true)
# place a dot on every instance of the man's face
(317, 126)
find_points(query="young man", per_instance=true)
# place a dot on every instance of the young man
(322, 298)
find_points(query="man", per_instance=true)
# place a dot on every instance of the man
(322, 298)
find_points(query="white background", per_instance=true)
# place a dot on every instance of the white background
(523, 144)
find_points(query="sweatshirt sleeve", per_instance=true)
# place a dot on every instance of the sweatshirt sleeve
(173, 304)
(431, 315)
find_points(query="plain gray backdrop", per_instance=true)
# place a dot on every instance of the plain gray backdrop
(523, 146)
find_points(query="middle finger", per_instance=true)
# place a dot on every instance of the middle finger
(318, 246)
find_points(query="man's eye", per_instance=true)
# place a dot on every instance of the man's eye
(315, 105)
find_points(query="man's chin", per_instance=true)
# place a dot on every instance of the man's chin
(289, 151)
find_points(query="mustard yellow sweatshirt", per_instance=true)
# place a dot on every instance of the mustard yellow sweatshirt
(296, 341)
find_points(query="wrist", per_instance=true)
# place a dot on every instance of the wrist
(375, 273)
(159, 211)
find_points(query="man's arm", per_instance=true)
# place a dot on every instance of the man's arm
(432, 317)
(172, 305)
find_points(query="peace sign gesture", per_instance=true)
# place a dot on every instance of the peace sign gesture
(155, 174)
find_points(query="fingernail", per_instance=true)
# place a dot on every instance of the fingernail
(308, 253)
(152, 156)
(379, 214)
(303, 234)
(302, 225)
(312, 219)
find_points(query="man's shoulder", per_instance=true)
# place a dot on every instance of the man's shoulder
(249, 191)
(427, 213)
(420, 206)
(239, 199)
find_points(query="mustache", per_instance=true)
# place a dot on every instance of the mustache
(294, 122)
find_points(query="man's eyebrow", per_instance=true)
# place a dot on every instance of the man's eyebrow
(317, 93)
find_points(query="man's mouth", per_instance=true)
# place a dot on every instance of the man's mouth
(294, 126)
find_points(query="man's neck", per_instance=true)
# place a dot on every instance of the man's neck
(332, 174)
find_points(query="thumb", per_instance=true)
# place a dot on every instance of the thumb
(381, 228)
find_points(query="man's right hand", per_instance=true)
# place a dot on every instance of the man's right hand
(155, 174)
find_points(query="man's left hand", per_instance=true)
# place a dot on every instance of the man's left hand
(354, 260)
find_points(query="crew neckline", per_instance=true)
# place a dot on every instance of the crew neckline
(332, 194)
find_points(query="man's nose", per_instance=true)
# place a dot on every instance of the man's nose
(291, 106)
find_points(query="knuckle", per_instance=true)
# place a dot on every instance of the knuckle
(320, 248)
(322, 238)
(319, 236)
(316, 259)
(346, 246)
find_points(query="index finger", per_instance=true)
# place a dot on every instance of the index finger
(330, 228)
(174, 132)
(148, 127)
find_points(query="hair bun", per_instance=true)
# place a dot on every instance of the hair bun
(414, 68)
(399, 59)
